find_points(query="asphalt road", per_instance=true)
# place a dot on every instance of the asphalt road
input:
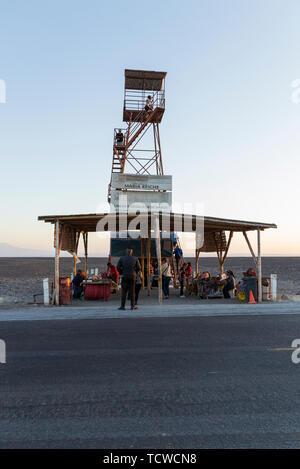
(209, 382)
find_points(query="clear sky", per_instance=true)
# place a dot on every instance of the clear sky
(230, 134)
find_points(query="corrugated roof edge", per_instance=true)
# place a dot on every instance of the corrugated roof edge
(262, 225)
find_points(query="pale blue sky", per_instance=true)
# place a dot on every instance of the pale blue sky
(230, 135)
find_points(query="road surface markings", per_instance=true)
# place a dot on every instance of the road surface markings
(281, 349)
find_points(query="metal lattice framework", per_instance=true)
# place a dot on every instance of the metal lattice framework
(134, 148)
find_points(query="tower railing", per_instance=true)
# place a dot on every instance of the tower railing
(135, 100)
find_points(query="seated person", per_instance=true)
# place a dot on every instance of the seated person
(188, 271)
(112, 273)
(229, 284)
(77, 284)
(250, 283)
(203, 285)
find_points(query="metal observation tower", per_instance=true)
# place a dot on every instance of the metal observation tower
(137, 146)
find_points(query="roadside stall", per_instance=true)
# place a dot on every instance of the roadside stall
(97, 289)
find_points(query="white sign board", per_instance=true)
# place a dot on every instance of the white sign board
(138, 200)
(138, 182)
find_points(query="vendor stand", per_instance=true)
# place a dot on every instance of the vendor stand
(97, 289)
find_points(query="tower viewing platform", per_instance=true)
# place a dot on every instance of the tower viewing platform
(140, 85)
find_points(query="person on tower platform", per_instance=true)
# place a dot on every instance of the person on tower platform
(119, 138)
(149, 104)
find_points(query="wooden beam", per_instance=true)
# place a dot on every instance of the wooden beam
(197, 260)
(250, 248)
(148, 260)
(74, 267)
(217, 247)
(143, 262)
(227, 247)
(158, 254)
(76, 251)
(219, 254)
(259, 271)
(85, 241)
(221, 263)
(57, 253)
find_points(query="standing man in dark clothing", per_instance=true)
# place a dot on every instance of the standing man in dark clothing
(128, 266)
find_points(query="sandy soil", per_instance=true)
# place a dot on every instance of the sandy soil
(21, 278)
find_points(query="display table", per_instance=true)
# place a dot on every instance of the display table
(97, 290)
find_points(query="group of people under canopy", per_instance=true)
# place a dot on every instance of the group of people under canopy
(203, 285)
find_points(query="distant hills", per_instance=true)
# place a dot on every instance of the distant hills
(7, 250)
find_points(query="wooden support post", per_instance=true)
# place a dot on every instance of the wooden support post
(197, 260)
(57, 252)
(148, 260)
(158, 254)
(76, 251)
(155, 149)
(161, 169)
(74, 267)
(222, 257)
(85, 241)
(219, 254)
(226, 250)
(227, 247)
(143, 262)
(259, 271)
